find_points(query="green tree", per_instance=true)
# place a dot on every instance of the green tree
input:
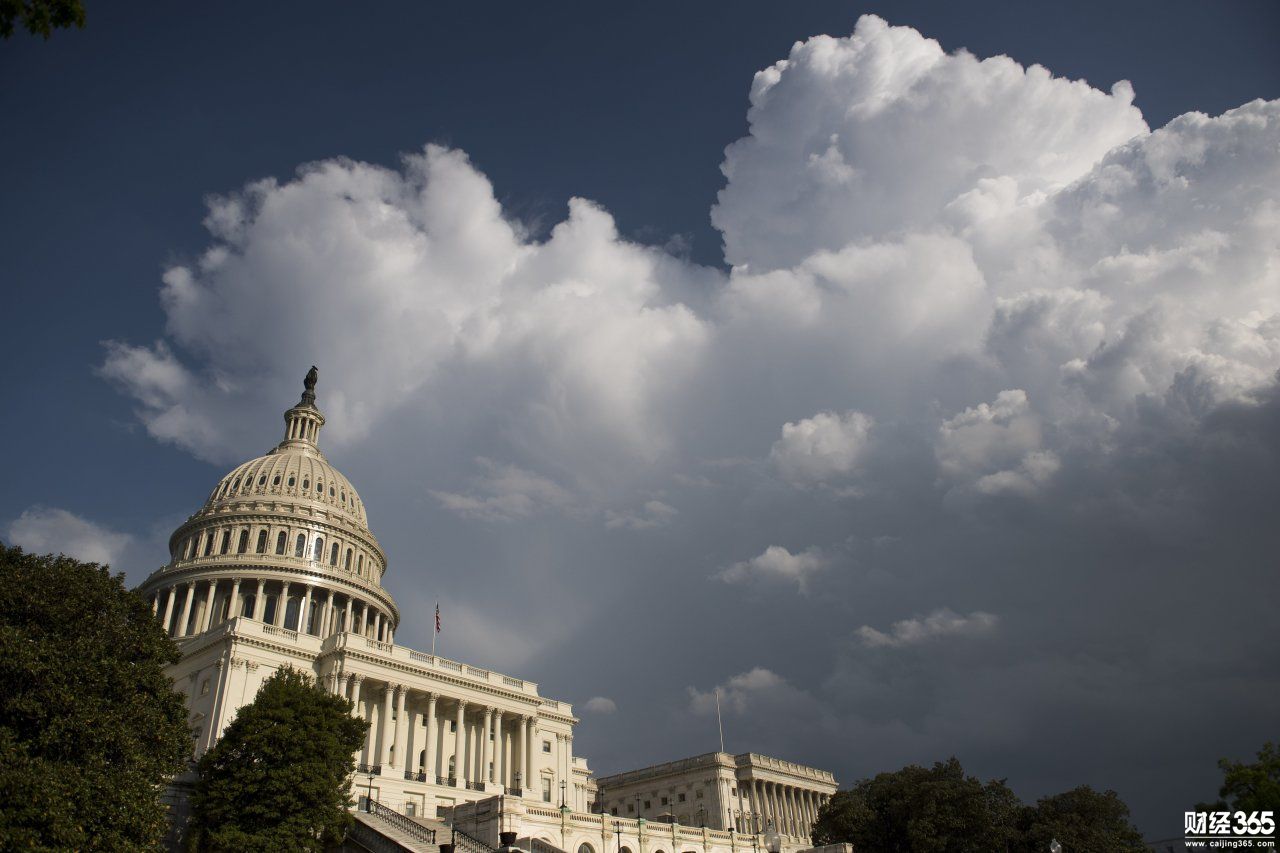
(90, 726)
(919, 810)
(280, 776)
(1083, 821)
(40, 17)
(1249, 787)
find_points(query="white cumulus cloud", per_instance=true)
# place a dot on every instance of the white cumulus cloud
(600, 705)
(826, 445)
(50, 530)
(776, 563)
(940, 623)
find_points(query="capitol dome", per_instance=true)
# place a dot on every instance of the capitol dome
(293, 528)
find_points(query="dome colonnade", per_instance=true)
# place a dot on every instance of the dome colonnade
(282, 539)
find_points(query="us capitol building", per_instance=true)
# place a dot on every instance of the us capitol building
(279, 568)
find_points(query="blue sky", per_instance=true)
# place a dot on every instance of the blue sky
(660, 467)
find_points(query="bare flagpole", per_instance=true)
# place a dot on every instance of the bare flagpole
(719, 722)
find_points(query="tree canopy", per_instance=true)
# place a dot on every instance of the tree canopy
(1250, 787)
(941, 810)
(90, 726)
(40, 17)
(1082, 820)
(280, 776)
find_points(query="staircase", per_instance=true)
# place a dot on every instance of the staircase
(383, 830)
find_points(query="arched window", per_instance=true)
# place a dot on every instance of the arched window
(333, 555)
(317, 553)
(208, 543)
(320, 486)
(262, 542)
(584, 847)
(453, 764)
(244, 542)
(291, 481)
(300, 546)
(262, 481)
(331, 491)
(226, 542)
(306, 483)
(344, 497)
(360, 565)
(281, 541)
(275, 481)
(347, 563)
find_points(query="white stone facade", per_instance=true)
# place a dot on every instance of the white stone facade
(279, 568)
(749, 793)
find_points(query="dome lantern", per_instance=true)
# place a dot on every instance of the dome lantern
(302, 423)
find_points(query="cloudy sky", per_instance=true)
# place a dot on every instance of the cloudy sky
(908, 374)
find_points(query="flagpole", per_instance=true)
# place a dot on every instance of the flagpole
(436, 630)
(719, 722)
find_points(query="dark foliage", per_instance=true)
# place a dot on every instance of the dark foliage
(90, 726)
(280, 777)
(40, 17)
(1249, 787)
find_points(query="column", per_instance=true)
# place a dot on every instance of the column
(155, 604)
(793, 815)
(384, 753)
(568, 763)
(399, 759)
(181, 629)
(168, 607)
(460, 745)
(260, 600)
(304, 613)
(377, 626)
(206, 618)
(346, 620)
(521, 754)
(233, 609)
(282, 604)
(499, 754)
(531, 733)
(485, 750)
(431, 738)
(322, 626)
(356, 682)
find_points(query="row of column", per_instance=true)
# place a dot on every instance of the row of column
(789, 809)
(409, 733)
(321, 612)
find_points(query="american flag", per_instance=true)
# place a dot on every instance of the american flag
(437, 617)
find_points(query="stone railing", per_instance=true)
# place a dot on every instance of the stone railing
(468, 843)
(407, 825)
(766, 762)
(441, 664)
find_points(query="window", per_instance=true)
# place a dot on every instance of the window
(333, 555)
(546, 746)
(344, 497)
(546, 789)
(262, 481)
(320, 486)
(680, 798)
(204, 688)
(275, 481)
(317, 551)
(262, 542)
(236, 484)
(306, 483)
(226, 542)
(208, 543)
(331, 491)
(648, 804)
(664, 801)
(409, 810)
(300, 546)
(244, 542)
(281, 540)
(614, 811)
(291, 481)
(699, 794)
(733, 792)
(631, 808)
(347, 563)
(453, 727)
(360, 565)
